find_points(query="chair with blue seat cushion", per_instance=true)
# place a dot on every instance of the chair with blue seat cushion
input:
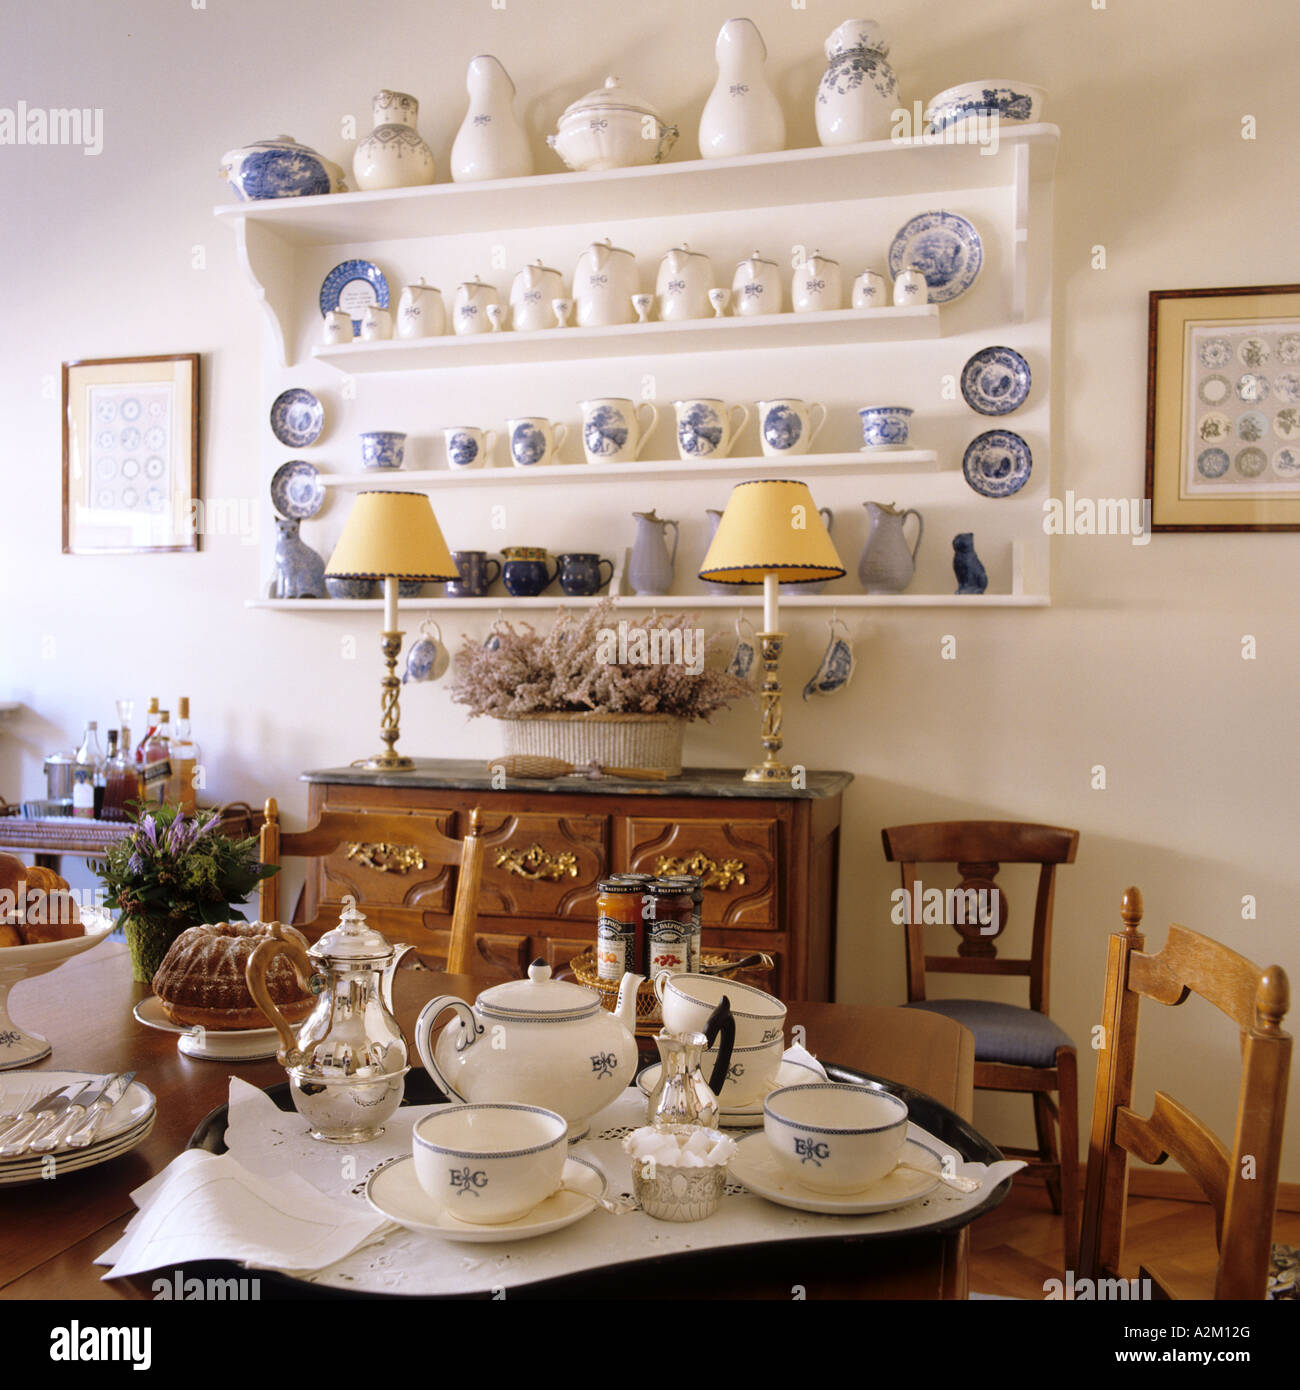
(1016, 1049)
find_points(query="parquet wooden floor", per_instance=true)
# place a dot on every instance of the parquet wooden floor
(1017, 1248)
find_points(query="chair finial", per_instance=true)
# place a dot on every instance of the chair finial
(1272, 1000)
(1131, 910)
(271, 809)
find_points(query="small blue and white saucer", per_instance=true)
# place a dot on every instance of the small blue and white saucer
(297, 418)
(296, 490)
(997, 463)
(996, 381)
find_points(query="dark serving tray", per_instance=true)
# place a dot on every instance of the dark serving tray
(797, 1261)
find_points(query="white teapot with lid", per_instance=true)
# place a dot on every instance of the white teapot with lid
(537, 1041)
(683, 284)
(756, 287)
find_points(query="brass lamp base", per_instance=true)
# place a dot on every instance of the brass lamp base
(771, 769)
(389, 728)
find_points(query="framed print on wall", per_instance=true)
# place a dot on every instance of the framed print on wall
(1223, 409)
(130, 455)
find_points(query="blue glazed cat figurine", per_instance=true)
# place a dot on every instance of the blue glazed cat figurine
(299, 571)
(967, 566)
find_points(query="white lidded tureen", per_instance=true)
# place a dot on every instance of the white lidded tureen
(537, 1041)
(611, 128)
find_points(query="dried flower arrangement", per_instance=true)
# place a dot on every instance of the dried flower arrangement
(519, 671)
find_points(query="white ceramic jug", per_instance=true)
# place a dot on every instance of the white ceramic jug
(816, 285)
(683, 284)
(531, 295)
(491, 142)
(858, 92)
(756, 287)
(604, 282)
(469, 308)
(421, 312)
(742, 114)
(393, 155)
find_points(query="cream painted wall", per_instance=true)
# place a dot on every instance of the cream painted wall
(1136, 666)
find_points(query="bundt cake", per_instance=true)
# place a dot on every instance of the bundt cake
(201, 984)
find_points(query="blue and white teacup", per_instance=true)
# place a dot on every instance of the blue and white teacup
(785, 426)
(468, 446)
(534, 440)
(382, 449)
(885, 426)
(427, 658)
(490, 1162)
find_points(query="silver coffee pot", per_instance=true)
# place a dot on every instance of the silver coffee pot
(348, 1063)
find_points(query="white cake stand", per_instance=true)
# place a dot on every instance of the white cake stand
(18, 1048)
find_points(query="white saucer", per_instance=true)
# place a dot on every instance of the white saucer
(750, 1115)
(395, 1192)
(210, 1044)
(755, 1165)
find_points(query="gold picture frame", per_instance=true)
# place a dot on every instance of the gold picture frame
(130, 455)
(1223, 409)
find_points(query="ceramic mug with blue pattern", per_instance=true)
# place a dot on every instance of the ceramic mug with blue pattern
(526, 570)
(885, 426)
(707, 428)
(468, 446)
(473, 567)
(382, 449)
(612, 430)
(534, 440)
(580, 573)
(785, 427)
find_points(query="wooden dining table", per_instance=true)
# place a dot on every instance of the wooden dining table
(53, 1230)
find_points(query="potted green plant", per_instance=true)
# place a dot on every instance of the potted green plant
(596, 688)
(175, 871)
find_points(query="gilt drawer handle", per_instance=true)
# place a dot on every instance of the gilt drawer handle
(385, 858)
(536, 863)
(710, 873)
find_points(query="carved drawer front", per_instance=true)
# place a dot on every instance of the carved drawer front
(542, 865)
(737, 861)
(396, 874)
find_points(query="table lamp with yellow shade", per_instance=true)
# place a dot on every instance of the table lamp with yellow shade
(771, 532)
(391, 536)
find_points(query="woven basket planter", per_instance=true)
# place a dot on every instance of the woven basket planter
(613, 740)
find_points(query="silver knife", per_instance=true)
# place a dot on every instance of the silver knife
(46, 1113)
(83, 1135)
(17, 1117)
(78, 1111)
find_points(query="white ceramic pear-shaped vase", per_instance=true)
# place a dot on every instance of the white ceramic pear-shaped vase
(742, 114)
(491, 142)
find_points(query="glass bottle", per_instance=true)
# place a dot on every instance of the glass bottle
(150, 725)
(107, 805)
(88, 767)
(156, 772)
(123, 788)
(184, 756)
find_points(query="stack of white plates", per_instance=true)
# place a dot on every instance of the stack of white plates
(127, 1125)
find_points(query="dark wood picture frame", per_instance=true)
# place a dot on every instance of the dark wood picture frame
(1167, 414)
(183, 445)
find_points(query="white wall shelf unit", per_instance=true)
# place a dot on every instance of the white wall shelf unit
(851, 199)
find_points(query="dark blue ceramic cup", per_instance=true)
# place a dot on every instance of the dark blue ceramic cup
(475, 579)
(580, 574)
(526, 572)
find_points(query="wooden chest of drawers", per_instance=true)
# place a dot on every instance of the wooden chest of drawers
(768, 860)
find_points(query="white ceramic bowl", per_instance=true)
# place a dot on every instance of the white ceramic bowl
(688, 1000)
(1016, 102)
(490, 1163)
(835, 1138)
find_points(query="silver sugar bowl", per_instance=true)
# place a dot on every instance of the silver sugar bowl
(348, 1062)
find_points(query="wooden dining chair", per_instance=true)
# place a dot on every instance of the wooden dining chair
(1240, 1183)
(335, 828)
(1016, 1049)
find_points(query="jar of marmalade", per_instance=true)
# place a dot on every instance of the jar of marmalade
(670, 909)
(619, 929)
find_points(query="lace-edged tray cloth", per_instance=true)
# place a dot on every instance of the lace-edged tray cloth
(580, 1259)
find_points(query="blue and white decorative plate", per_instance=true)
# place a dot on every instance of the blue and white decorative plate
(296, 490)
(997, 463)
(353, 286)
(297, 418)
(1212, 463)
(944, 247)
(996, 381)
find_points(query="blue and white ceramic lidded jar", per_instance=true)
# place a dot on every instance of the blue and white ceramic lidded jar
(858, 91)
(280, 168)
(911, 289)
